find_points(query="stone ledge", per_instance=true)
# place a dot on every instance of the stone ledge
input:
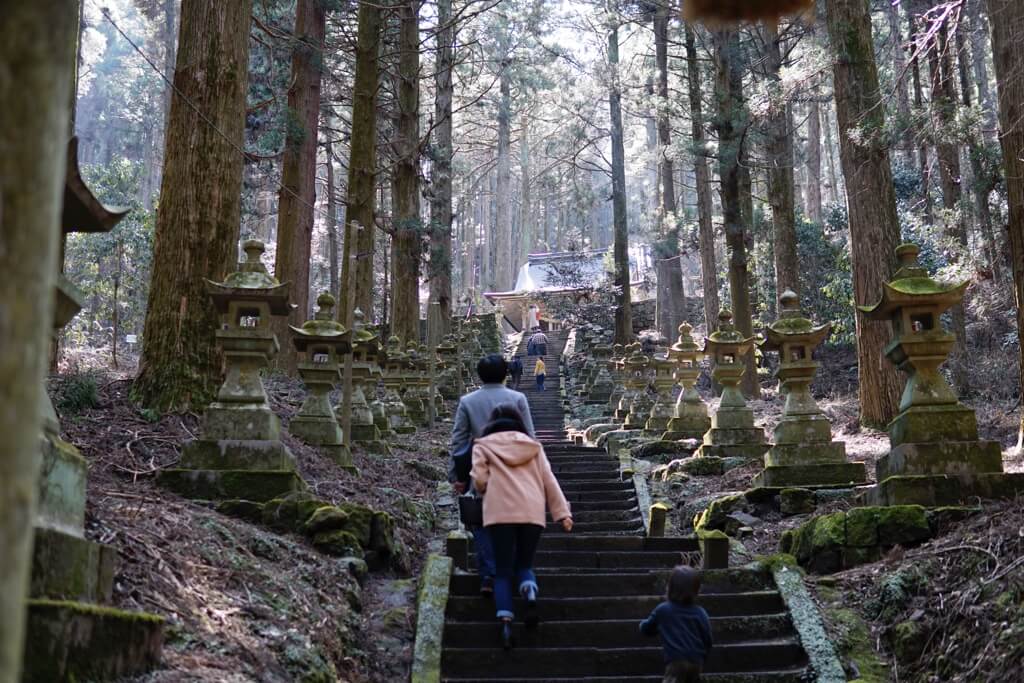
(73, 641)
(836, 475)
(432, 601)
(255, 485)
(66, 567)
(236, 454)
(802, 609)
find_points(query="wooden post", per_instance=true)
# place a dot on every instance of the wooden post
(350, 307)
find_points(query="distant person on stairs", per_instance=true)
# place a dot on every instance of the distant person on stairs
(472, 415)
(684, 628)
(540, 372)
(515, 370)
(538, 342)
(512, 472)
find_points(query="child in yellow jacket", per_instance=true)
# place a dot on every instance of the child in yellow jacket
(540, 372)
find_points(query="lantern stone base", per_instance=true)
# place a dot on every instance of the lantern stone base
(236, 454)
(926, 424)
(340, 455)
(812, 476)
(748, 451)
(690, 427)
(255, 485)
(249, 422)
(62, 484)
(943, 490)
(733, 435)
(955, 458)
(75, 641)
(599, 395)
(68, 567)
(316, 430)
(656, 426)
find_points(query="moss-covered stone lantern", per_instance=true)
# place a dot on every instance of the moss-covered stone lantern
(803, 453)
(240, 453)
(635, 406)
(68, 636)
(663, 408)
(936, 457)
(320, 344)
(617, 370)
(365, 374)
(690, 414)
(413, 378)
(449, 371)
(732, 432)
(395, 366)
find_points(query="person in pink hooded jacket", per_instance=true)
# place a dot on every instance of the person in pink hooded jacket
(515, 478)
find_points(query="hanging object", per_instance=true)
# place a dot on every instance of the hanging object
(716, 12)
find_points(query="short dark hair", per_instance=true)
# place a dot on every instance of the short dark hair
(505, 418)
(492, 369)
(683, 585)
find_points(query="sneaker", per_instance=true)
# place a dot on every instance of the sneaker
(532, 619)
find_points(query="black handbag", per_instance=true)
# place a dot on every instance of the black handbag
(471, 510)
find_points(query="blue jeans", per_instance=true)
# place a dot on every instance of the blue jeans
(484, 552)
(514, 548)
(540, 382)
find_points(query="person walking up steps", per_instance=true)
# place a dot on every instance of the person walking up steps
(472, 415)
(539, 343)
(540, 372)
(515, 370)
(684, 628)
(512, 472)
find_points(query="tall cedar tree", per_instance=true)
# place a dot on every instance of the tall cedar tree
(702, 176)
(37, 49)
(671, 295)
(731, 122)
(504, 257)
(439, 313)
(1006, 18)
(870, 197)
(623, 306)
(298, 175)
(360, 203)
(200, 204)
(779, 143)
(405, 244)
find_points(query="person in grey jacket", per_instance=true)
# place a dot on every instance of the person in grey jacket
(472, 415)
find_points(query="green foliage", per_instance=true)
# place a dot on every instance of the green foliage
(826, 279)
(894, 592)
(77, 392)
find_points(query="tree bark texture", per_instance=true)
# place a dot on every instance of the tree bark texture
(503, 192)
(37, 51)
(360, 203)
(295, 203)
(899, 67)
(922, 151)
(730, 122)
(671, 301)
(1006, 17)
(196, 234)
(779, 144)
(406, 240)
(439, 313)
(526, 222)
(870, 198)
(332, 222)
(702, 174)
(813, 155)
(623, 305)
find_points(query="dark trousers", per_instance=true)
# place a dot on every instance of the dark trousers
(516, 376)
(514, 547)
(682, 671)
(540, 382)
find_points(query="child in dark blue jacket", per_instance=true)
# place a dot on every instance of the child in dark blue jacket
(684, 627)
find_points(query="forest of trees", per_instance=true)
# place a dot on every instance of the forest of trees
(408, 153)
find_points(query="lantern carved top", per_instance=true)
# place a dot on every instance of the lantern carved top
(251, 282)
(361, 335)
(323, 329)
(792, 327)
(913, 286)
(727, 340)
(684, 343)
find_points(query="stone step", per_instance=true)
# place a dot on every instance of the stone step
(610, 473)
(527, 663)
(578, 485)
(584, 526)
(648, 583)
(582, 504)
(612, 633)
(602, 515)
(603, 560)
(792, 675)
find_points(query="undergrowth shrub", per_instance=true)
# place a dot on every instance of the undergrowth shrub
(77, 392)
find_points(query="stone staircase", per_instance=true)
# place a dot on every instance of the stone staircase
(598, 582)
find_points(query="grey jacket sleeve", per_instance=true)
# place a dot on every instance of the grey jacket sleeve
(460, 437)
(524, 408)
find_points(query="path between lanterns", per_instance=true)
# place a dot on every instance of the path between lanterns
(598, 582)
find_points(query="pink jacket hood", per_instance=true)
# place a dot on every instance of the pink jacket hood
(512, 448)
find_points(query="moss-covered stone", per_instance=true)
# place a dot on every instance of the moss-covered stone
(862, 527)
(855, 644)
(426, 470)
(255, 485)
(660, 451)
(902, 525)
(67, 567)
(360, 522)
(248, 510)
(339, 543)
(796, 501)
(290, 512)
(908, 640)
(325, 518)
(706, 466)
(431, 602)
(715, 517)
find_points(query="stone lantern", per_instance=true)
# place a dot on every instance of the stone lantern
(72, 632)
(732, 432)
(936, 456)
(600, 388)
(635, 404)
(320, 343)
(690, 416)
(449, 374)
(803, 454)
(240, 454)
(395, 366)
(413, 377)
(365, 372)
(616, 368)
(663, 409)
